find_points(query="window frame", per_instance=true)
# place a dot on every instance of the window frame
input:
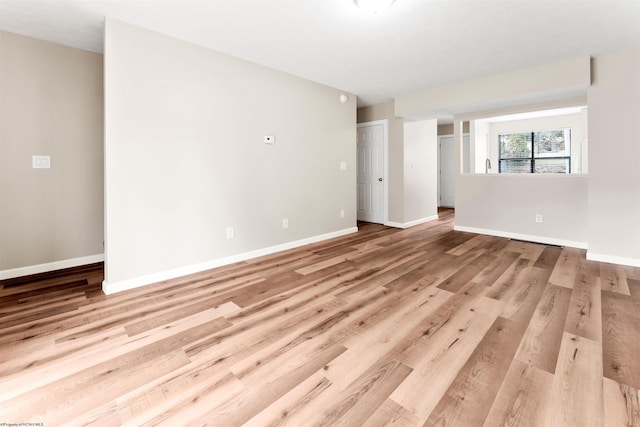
(532, 159)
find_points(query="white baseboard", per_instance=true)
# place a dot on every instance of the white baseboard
(124, 285)
(50, 266)
(633, 262)
(527, 237)
(411, 223)
(394, 224)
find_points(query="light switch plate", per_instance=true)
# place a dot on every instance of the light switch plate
(343, 166)
(41, 162)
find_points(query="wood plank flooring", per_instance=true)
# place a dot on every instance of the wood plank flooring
(418, 327)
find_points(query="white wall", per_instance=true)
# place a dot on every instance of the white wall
(555, 81)
(504, 205)
(50, 104)
(420, 171)
(601, 210)
(185, 158)
(507, 206)
(614, 159)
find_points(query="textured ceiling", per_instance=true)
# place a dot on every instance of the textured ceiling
(414, 45)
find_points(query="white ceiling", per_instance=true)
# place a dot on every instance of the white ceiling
(414, 45)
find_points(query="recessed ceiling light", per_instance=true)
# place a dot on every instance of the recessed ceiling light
(374, 6)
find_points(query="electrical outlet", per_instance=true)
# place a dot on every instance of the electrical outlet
(539, 218)
(285, 223)
(342, 213)
(229, 232)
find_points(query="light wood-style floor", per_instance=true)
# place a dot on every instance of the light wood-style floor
(423, 326)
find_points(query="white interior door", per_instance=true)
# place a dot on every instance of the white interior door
(447, 172)
(371, 173)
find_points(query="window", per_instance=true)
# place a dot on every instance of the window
(547, 151)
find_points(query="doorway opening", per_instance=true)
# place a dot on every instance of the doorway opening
(447, 166)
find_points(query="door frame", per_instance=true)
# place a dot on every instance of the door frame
(440, 138)
(439, 154)
(385, 164)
